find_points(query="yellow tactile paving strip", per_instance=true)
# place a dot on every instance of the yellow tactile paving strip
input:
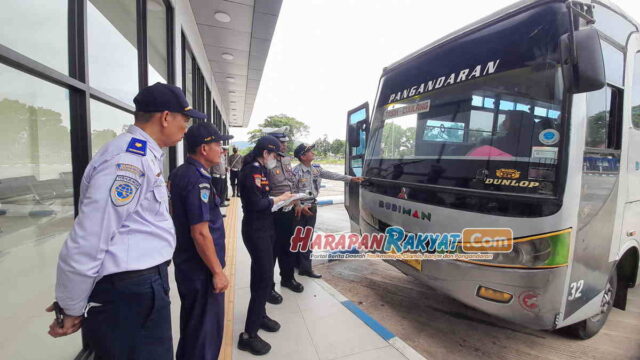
(231, 232)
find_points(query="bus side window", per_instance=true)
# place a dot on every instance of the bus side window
(635, 101)
(604, 118)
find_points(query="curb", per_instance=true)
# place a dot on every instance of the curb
(330, 200)
(402, 347)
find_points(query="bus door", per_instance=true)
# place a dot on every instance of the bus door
(357, 133)
(599, 193)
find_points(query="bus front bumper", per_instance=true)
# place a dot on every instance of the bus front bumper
(536, 293)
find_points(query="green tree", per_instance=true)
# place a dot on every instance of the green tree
(635, 116)
(337, 147)
(296, 128)
(597, 125)
(323, 146)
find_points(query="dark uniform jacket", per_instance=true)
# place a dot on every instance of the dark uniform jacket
(194, 201)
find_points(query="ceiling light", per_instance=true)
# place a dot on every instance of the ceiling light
(222, 16)
(231, 79)
(227, 56)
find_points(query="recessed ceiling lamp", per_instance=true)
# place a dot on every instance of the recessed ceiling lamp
(222, 16)
(231, 79)
(227, 56)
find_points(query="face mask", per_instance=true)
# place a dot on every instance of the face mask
(270, 163)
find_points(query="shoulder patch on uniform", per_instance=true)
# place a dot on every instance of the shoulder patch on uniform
(204, 172)
(130, 168)
(137, 146)
(204, 194)
(257, 178)
(256, 164)
(317, 166)
(204, 186)
(123, 190)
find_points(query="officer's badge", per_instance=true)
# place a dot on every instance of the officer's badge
(205, 192)
(204, 195)
(123, 190)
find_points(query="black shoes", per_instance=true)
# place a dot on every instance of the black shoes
(310, 274)
(270, 325)
(274, 298)
(292, 285)
(253, 344)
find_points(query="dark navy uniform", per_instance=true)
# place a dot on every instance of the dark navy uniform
(258, 234)
(195, 201)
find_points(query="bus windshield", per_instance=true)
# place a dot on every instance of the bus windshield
(480, 112)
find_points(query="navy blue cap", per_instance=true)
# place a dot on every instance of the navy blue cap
(302, 149)
(161, 97)
(268, 143)
(203, 133)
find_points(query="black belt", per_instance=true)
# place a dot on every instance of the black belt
(126, 275)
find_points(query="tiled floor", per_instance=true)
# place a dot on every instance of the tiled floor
(315, 325)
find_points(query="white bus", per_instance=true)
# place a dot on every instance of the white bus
(528, 119)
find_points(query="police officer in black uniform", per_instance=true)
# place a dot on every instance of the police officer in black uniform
(200, 247)
(258, 234)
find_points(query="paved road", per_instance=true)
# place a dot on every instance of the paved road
(439, 327)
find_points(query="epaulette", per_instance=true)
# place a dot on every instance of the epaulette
(204, 172)
(137, 146)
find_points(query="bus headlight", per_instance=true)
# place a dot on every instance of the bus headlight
(540, 251)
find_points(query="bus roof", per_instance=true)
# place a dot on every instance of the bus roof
(494, 16)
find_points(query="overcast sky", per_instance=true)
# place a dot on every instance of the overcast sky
(326, 56)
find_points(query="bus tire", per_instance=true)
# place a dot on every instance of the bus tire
(587, 328)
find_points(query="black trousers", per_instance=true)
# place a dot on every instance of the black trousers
(201, 316)
(218, 185)
(131, 318)
(303, 259)
(258, 237)
(285, 223)
(234, 181)
(225, 189)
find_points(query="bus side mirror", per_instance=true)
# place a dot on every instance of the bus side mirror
(584, 71)
(354, 136)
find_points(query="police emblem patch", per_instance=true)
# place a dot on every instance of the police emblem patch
(123, 190)
(204, 194)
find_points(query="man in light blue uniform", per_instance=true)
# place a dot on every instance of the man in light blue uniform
(112, 269)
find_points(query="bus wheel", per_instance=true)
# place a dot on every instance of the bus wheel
(586, 329)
